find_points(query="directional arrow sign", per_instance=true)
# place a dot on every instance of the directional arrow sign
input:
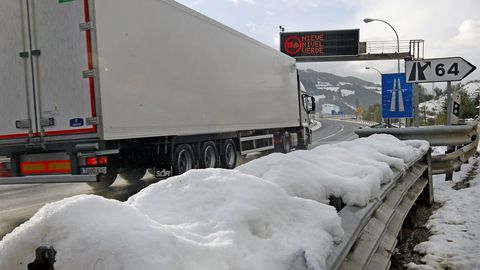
(437, 70)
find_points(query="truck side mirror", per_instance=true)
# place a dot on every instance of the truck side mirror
(314, 105)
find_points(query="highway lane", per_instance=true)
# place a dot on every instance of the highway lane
(333, 131)
(20, 202)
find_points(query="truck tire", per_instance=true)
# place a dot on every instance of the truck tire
(228, 159)
(208, 157)
(183, 159)
(105, 180)
(132, 175)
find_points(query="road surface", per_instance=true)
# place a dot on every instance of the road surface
(333, 131)
(20, 202)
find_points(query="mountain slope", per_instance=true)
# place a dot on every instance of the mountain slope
(345, 93)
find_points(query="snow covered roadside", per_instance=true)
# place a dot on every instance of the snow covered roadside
(264, 215)
(316, 125)
(455, 226)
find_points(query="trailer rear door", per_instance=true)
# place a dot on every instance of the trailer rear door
(16, 93)
(54, 74)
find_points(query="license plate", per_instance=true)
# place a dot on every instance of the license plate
(94, 170)
(162, 173)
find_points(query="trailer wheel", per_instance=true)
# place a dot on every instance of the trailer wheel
(132, 175)
(287, 145)
(228, 158)
(105, 180)
(208, 155)
(183, 159)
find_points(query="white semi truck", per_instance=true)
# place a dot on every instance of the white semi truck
(90, 89)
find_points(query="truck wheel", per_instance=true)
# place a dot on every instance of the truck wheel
(287, 145)
(132, 175)
(105, 180)
(208, 155)
(183, 159)
(228, 159)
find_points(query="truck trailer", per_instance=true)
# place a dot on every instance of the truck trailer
(90, 89)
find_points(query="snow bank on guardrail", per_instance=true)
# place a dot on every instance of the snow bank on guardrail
(218, 219)
(351, 170)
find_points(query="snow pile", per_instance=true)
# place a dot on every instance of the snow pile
(351, 170)
(455, 227)
(269, 214)
(205, 219)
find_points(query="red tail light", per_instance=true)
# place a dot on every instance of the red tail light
(102, 160)
(91, 161)
(96, 161)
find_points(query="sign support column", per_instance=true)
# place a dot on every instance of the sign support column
(449, 103)
(416, 102)
(450, 149)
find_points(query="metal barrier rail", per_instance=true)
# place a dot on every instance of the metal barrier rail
(435, 135)
(450, 162)
(463, 137)
(371, 231)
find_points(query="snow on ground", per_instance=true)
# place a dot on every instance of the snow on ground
(328, 108)
(318, 97)
(316, 125)
(439, 150)
(344, 83)
(434, 105)
(268, 214)
(455, 226)
(331, 88)
(373, 87)
(350, 106)
(471, 88)
(346, 93)
(321, 85)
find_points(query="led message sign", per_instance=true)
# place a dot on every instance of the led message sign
(320, 43)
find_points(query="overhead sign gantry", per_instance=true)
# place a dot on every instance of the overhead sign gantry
(343, 45)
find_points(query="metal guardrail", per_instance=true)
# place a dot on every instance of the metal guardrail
(452, 161)
(435, 135)
(464, 138)
(371, 231)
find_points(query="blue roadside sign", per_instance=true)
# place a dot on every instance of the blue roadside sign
(397, 96)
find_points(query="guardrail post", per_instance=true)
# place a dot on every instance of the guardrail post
(449, 175)
(426, 196)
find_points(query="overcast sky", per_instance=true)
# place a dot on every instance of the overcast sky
(449, 28)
